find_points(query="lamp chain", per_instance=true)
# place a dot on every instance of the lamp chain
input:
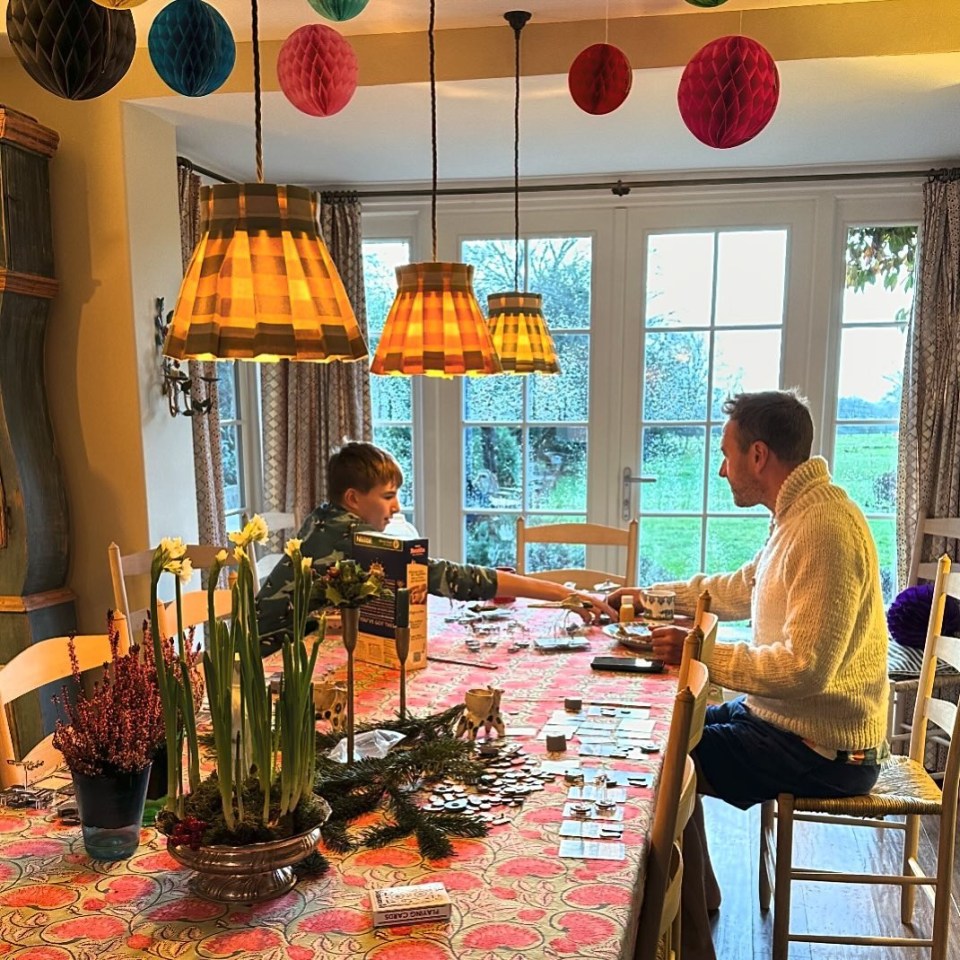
(258, 114)
(433, 121)
(517, 27)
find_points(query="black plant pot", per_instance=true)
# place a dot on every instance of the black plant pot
(111, 812)
(157, 785)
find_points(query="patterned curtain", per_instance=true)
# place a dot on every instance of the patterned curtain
(207, 458)
(928, 479)
(309, 409)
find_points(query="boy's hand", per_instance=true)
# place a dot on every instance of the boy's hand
(588, 606)
(668, 643)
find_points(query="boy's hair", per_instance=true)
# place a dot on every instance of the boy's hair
(779, 418)
(361, 466)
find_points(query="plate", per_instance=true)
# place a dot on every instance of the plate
(637, 638)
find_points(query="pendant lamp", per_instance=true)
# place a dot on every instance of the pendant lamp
(435, 327)
(261, 285)
(517, 325)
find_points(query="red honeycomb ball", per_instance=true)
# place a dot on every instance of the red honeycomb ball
(729, 91)
(317, 70)
(600, 78)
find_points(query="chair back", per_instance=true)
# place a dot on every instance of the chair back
(676, 796)
(588, 534)
(194, 610)
(262, 561)
(41, 663)
(944, 528)
(931, 709)
(698, 645)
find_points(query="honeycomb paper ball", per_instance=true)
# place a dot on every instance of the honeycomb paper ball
(729, 91)
(191, 47)
(338, 9)
(600, 78)
(119, 4)
(75, 49)
(317, 70)
(706, 3)
(909, 612)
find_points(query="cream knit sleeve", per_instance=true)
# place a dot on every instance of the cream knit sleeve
(824, 572)
(730, 593)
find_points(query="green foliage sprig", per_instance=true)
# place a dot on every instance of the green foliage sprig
(346, 584)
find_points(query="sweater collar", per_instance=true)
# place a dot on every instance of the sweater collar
(811, 473)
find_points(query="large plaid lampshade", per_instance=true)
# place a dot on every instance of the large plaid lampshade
(435, 326)
(260, 284)
(520, 333)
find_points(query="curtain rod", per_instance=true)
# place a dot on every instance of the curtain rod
(619, 188)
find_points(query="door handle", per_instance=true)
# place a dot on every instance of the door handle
(625, 492)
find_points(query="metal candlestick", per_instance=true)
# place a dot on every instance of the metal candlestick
(402, 639)
(351, 623)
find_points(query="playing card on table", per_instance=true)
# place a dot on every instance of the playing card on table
(593, 849)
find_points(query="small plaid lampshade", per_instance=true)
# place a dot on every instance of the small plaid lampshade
(435, 326)
(260, 284)
(520, 333)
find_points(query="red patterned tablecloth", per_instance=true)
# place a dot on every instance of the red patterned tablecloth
(513, 896)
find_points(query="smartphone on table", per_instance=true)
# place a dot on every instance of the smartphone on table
(627, 664)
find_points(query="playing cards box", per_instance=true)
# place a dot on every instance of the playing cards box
(416, 904)
(404, 563)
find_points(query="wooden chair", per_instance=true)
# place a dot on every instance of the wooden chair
(701, 639)
(589, 534)
(261, 560)
(676, 797)
(45, 662)
(903, 789)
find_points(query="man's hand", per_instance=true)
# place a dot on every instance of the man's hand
(668, 643)
(588, 606)
(631, 593)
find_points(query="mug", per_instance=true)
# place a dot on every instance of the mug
(659, 604)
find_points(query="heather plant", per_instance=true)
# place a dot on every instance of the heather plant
(117, 727)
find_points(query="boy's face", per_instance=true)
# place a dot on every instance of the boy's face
(376, 506)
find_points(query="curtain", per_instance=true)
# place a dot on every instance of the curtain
(310, 409)
(207, 457)
(928, 479)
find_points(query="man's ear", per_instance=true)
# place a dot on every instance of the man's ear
(759, 454)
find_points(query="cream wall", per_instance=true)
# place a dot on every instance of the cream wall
(126, 465)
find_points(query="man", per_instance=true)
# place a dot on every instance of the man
(363, 483)
(813, 718)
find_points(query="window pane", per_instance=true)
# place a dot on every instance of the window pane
(751, 272)
(493, 465)
(679, 279)
(744, 360)
(380, 261)
(399, 442)
(565, 396)
(865, 463)
(675, 376)
(719, 498)
(558, 468)
(227, 390)
(732, 541)
(674, 455)
(391, 398)
(555, 556)
(493, 399)
(560, 269)
(493, 267)
(870, 390)
(234, 522)
(491, 540)
(669, 548)
(885, 534)
(230, 445)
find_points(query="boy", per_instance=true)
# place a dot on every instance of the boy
(363, 482)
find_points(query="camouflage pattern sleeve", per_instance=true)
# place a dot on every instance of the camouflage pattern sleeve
(460, 581)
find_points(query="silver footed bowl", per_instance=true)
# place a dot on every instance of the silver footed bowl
(249, 874)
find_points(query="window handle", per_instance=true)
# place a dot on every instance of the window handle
(626, 491)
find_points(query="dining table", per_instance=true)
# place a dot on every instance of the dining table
(513, 896)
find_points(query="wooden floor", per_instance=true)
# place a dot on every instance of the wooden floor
(741, 932)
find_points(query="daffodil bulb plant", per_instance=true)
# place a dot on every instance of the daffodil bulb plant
(262, 786)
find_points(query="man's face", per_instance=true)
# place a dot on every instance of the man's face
(376, 506)
(739, 467)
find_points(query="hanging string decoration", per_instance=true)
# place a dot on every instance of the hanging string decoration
(706, 3)
(729, 91)
(73, 48)
(317, 70)
(338, 9)
(191, 47)
(600, 78)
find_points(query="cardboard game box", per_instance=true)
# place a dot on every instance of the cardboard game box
(425, 901)
(404, 562)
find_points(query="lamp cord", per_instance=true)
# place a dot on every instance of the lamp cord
(433, 121)
(517, 27)
(258, 117)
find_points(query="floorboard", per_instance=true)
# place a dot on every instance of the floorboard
(742, 932)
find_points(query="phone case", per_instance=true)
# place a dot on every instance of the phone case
(627, 664)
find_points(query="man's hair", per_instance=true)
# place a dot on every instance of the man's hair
(361, 466)
(779, 418)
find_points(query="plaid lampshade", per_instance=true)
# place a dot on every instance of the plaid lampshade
(435, 326)
(260, 284)
(520, 333)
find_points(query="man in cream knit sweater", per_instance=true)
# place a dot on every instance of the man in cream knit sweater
(813, 717)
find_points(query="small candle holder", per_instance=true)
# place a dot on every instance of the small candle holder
(402, 639)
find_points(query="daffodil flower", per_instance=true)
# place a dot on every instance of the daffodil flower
(292, 547)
